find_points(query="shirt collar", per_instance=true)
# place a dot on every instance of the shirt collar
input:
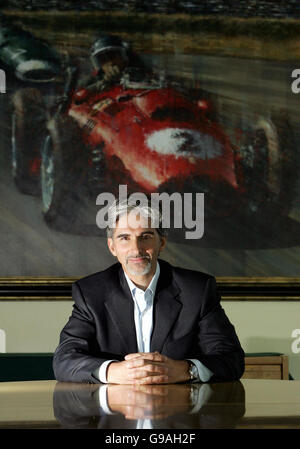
(151, 286)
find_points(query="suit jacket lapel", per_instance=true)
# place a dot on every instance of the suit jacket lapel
(121, 309)
(165, 311)
(166, 307)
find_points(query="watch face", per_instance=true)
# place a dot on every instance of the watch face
(194, 394)
(193, 371)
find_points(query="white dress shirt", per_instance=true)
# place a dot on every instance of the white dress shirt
(143, 319)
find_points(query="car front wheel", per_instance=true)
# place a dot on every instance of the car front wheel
(61, 174)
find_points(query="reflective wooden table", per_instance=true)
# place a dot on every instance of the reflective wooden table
(242, 405)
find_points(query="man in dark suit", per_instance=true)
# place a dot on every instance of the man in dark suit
(144, 321)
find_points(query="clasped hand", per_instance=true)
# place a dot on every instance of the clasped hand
(149, 401)
(148, 368)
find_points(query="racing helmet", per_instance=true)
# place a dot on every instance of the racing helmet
(105, 47)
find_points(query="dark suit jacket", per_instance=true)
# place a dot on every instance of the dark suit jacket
(188, 322)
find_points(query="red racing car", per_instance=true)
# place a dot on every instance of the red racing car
(153, 136)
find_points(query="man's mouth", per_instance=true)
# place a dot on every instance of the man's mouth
(138, 259)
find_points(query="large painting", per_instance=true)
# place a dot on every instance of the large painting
(191, 104)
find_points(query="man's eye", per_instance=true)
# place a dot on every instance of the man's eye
(146, 236)
(124, 237)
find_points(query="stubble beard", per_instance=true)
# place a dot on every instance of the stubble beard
(141, 272)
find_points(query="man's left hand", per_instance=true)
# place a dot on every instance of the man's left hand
(140, 367)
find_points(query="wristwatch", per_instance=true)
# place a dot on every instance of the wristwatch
(193, 372)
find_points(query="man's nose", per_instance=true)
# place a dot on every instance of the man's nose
(136, 244)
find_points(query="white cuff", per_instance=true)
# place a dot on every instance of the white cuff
(203, 394)
(102, 373)
(103, 401)
(204, 374)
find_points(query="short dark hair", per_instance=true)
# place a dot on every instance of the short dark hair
(119, 208)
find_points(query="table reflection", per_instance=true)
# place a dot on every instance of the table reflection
(219, 405)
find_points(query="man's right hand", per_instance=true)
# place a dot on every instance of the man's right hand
(121, 372)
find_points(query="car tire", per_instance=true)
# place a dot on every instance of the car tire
(61, 173)
(28, 130)
(265, 165)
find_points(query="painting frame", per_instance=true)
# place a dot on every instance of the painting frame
(27, 288)
(30, 288)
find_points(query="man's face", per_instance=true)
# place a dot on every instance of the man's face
(136, 245)
(111, 59)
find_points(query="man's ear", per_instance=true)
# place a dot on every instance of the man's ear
(163, 242)
(111, 246)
